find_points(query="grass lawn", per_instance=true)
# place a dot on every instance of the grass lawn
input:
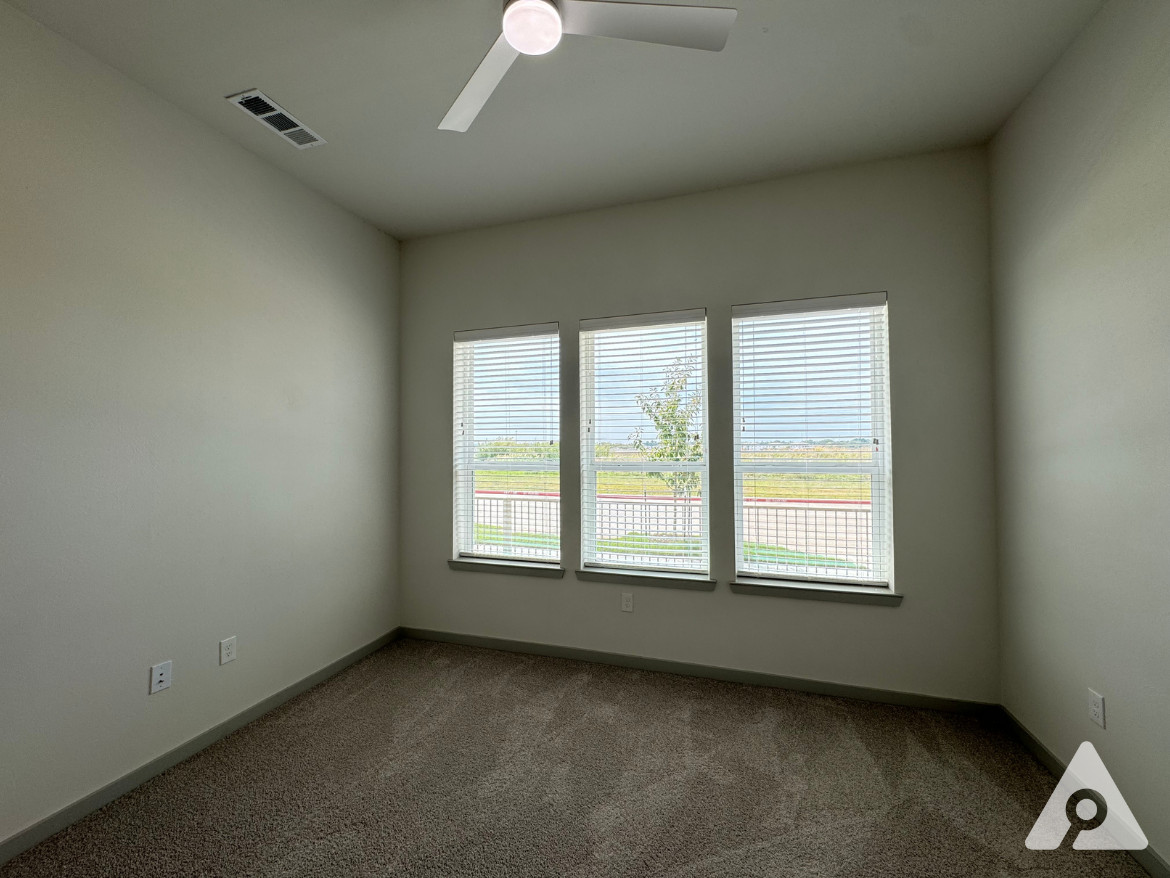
(659, 546)
(772, 486)
(762, 553)
(630, 544)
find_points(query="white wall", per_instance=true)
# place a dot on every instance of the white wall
(1081, 208)
(915, 227)
(197, 425)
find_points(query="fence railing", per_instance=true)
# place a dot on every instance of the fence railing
(820, 538)
(518, 525)
(664, 532)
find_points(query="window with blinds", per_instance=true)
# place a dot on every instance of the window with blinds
(644, 443)
(812, 440)
(507, 444)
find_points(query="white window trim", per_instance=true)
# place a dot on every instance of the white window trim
(463, 455)
(588, 480)
(747, 579)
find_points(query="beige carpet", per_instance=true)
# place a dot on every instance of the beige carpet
(430, 759)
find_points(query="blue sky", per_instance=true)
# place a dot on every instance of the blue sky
(782, 397)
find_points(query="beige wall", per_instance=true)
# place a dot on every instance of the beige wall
(1081, 208)
(915, 227)
(197, 425)
(200, 416)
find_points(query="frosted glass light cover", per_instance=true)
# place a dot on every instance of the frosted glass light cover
(532, 27)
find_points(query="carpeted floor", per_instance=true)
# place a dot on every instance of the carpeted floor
(428, 759)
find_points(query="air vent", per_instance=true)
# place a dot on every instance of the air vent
(257, 105)
(281, 122)
(303, 137)
(263, 109)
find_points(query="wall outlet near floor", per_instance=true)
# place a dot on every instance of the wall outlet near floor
(627, 602)
(160, 677)
(227, 650)
(1097, 708)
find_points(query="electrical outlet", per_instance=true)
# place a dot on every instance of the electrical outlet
(1097, 708)
(160, 677)
(627, 602)
(227, 650)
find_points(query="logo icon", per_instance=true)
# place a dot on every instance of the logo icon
(1087, 809)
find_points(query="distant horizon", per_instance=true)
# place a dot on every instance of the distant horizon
(517, 387)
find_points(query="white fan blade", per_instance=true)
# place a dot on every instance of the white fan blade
(694, 27)
(480, 87)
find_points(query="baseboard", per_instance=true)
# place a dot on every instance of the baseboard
(70, 814)
(710, 672)
(1149, 859)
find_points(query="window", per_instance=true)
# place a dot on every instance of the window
(812, 449)
(644, 443)
(507, 444)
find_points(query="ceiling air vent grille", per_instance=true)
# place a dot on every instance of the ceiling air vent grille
(257, 105)
(281, 122)
(263, 109)
(303, 137)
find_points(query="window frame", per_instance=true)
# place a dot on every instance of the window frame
(751, 581)
(463, 455)
(602, 571)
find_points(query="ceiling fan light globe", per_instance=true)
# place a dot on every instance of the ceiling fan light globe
(532, 27)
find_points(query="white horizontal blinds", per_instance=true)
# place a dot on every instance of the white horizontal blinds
(644, 443)
(507, 444)
(812, 450)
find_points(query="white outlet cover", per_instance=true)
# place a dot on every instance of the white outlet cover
(1097, 707)
(160, 677)
(627, 602)
(227, 650)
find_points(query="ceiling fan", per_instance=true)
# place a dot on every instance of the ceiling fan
(535, 27)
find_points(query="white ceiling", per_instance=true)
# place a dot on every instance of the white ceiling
(801, 84)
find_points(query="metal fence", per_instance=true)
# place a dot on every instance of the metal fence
(518, 525)
(662, 532)
(822, 539)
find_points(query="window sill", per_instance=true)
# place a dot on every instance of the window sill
(848, 594)
(694, 582)
(516, 568)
